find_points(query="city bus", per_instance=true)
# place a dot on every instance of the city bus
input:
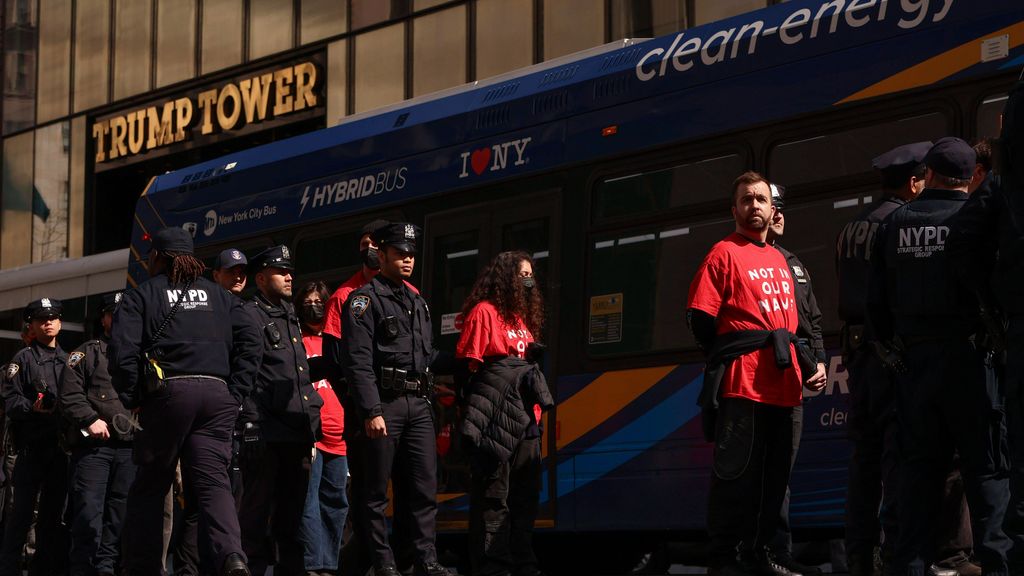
(612, 167)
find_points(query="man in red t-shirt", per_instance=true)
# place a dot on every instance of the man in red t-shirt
(742, 311)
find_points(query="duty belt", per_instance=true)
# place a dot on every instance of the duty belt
(398, 381)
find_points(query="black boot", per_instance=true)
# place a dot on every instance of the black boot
(433, 569)
(790, 563)
(234, 566)
(768, 565)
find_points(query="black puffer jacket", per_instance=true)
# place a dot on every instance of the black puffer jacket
(496, 406)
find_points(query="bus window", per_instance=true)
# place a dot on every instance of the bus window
(655, 190)
(322, 254)
(990, 116)
(638, 281)
(455, 261)
(839, 154)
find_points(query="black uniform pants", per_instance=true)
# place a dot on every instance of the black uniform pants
(1014, 381)
(502, 509)
(872, 489)
(356, 555)
(946, 402)
(274, 494)
(41, 472)
(782, 543)
(100, 479)
(750, 474)
(190, 419)
(411, 446)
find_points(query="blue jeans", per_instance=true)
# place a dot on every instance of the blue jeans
(323, 520)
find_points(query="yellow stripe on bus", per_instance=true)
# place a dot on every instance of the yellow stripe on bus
(602, 398)
(939, 67)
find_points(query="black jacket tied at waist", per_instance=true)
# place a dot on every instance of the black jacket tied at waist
(499, 405)
(732, 345)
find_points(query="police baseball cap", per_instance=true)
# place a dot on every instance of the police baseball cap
(109, 302)
(778, 196)
(902, 158)
(230, 258)
(952, 157)
(173, 239)
(43, 308)
(401, 235)
(273, 257)
(372, 227)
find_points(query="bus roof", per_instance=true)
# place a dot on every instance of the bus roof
(762, 66)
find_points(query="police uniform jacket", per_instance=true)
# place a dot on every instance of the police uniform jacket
(283, 402)
(808, 312)
(913, 291)
(210, 335)
(853, 257)
(34, 370)
(87, 395)
(386, 325)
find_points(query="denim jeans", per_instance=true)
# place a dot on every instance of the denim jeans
(323, 520)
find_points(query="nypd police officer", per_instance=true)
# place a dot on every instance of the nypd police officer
(184, 352)
(925, 325)
(280, 422)
(872, 397)
(386, 355)
(99, 432)
(30, 397)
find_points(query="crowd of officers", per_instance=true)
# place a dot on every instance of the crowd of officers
(930, 284)
(245, 427)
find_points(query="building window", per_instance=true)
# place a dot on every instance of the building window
(176, 41)
(504, 36)
(647, 18)
(571, 26)
(271, 27)
(133, 23)
(322, 19)
(439, 50)
(50, 194)
(369, 12)
(19, 66)
(337, 81)
(222, 34)
(16, 227)
(380, 67)
(92, 54)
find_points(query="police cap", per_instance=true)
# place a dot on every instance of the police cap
(952, 157)
(401, 235)
(230, 258)
(43, 308)
(778, 196)
(109, 302)
(901, 159)
(273, 257)
(173, 239)
(372, 227)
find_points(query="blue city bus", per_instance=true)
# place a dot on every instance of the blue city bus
(612, 168)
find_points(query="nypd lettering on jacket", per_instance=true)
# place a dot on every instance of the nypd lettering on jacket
(857, 238)
(922, 241)
(190, 299)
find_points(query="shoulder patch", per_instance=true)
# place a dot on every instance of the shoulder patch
(75, 358)
(12, 370)
(359, 305)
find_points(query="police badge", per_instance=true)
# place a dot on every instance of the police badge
(410, 232)
(74, 358)
(284, 252)
(359, 305)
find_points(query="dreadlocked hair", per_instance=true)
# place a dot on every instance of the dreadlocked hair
(500, 285)
(183, 268)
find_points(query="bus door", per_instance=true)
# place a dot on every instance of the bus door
(459, 244)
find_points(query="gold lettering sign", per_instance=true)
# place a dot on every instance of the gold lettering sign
(265, 96)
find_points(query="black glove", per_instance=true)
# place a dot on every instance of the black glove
(891, 355)
(253, 443)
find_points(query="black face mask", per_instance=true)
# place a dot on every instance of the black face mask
(313, 312)
(371, 258)
(528, 282)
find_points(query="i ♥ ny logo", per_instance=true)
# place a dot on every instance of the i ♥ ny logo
(494, 158)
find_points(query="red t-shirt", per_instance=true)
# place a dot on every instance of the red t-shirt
(332, 415)
(486, 335)
(748, 286)
(336, 303)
